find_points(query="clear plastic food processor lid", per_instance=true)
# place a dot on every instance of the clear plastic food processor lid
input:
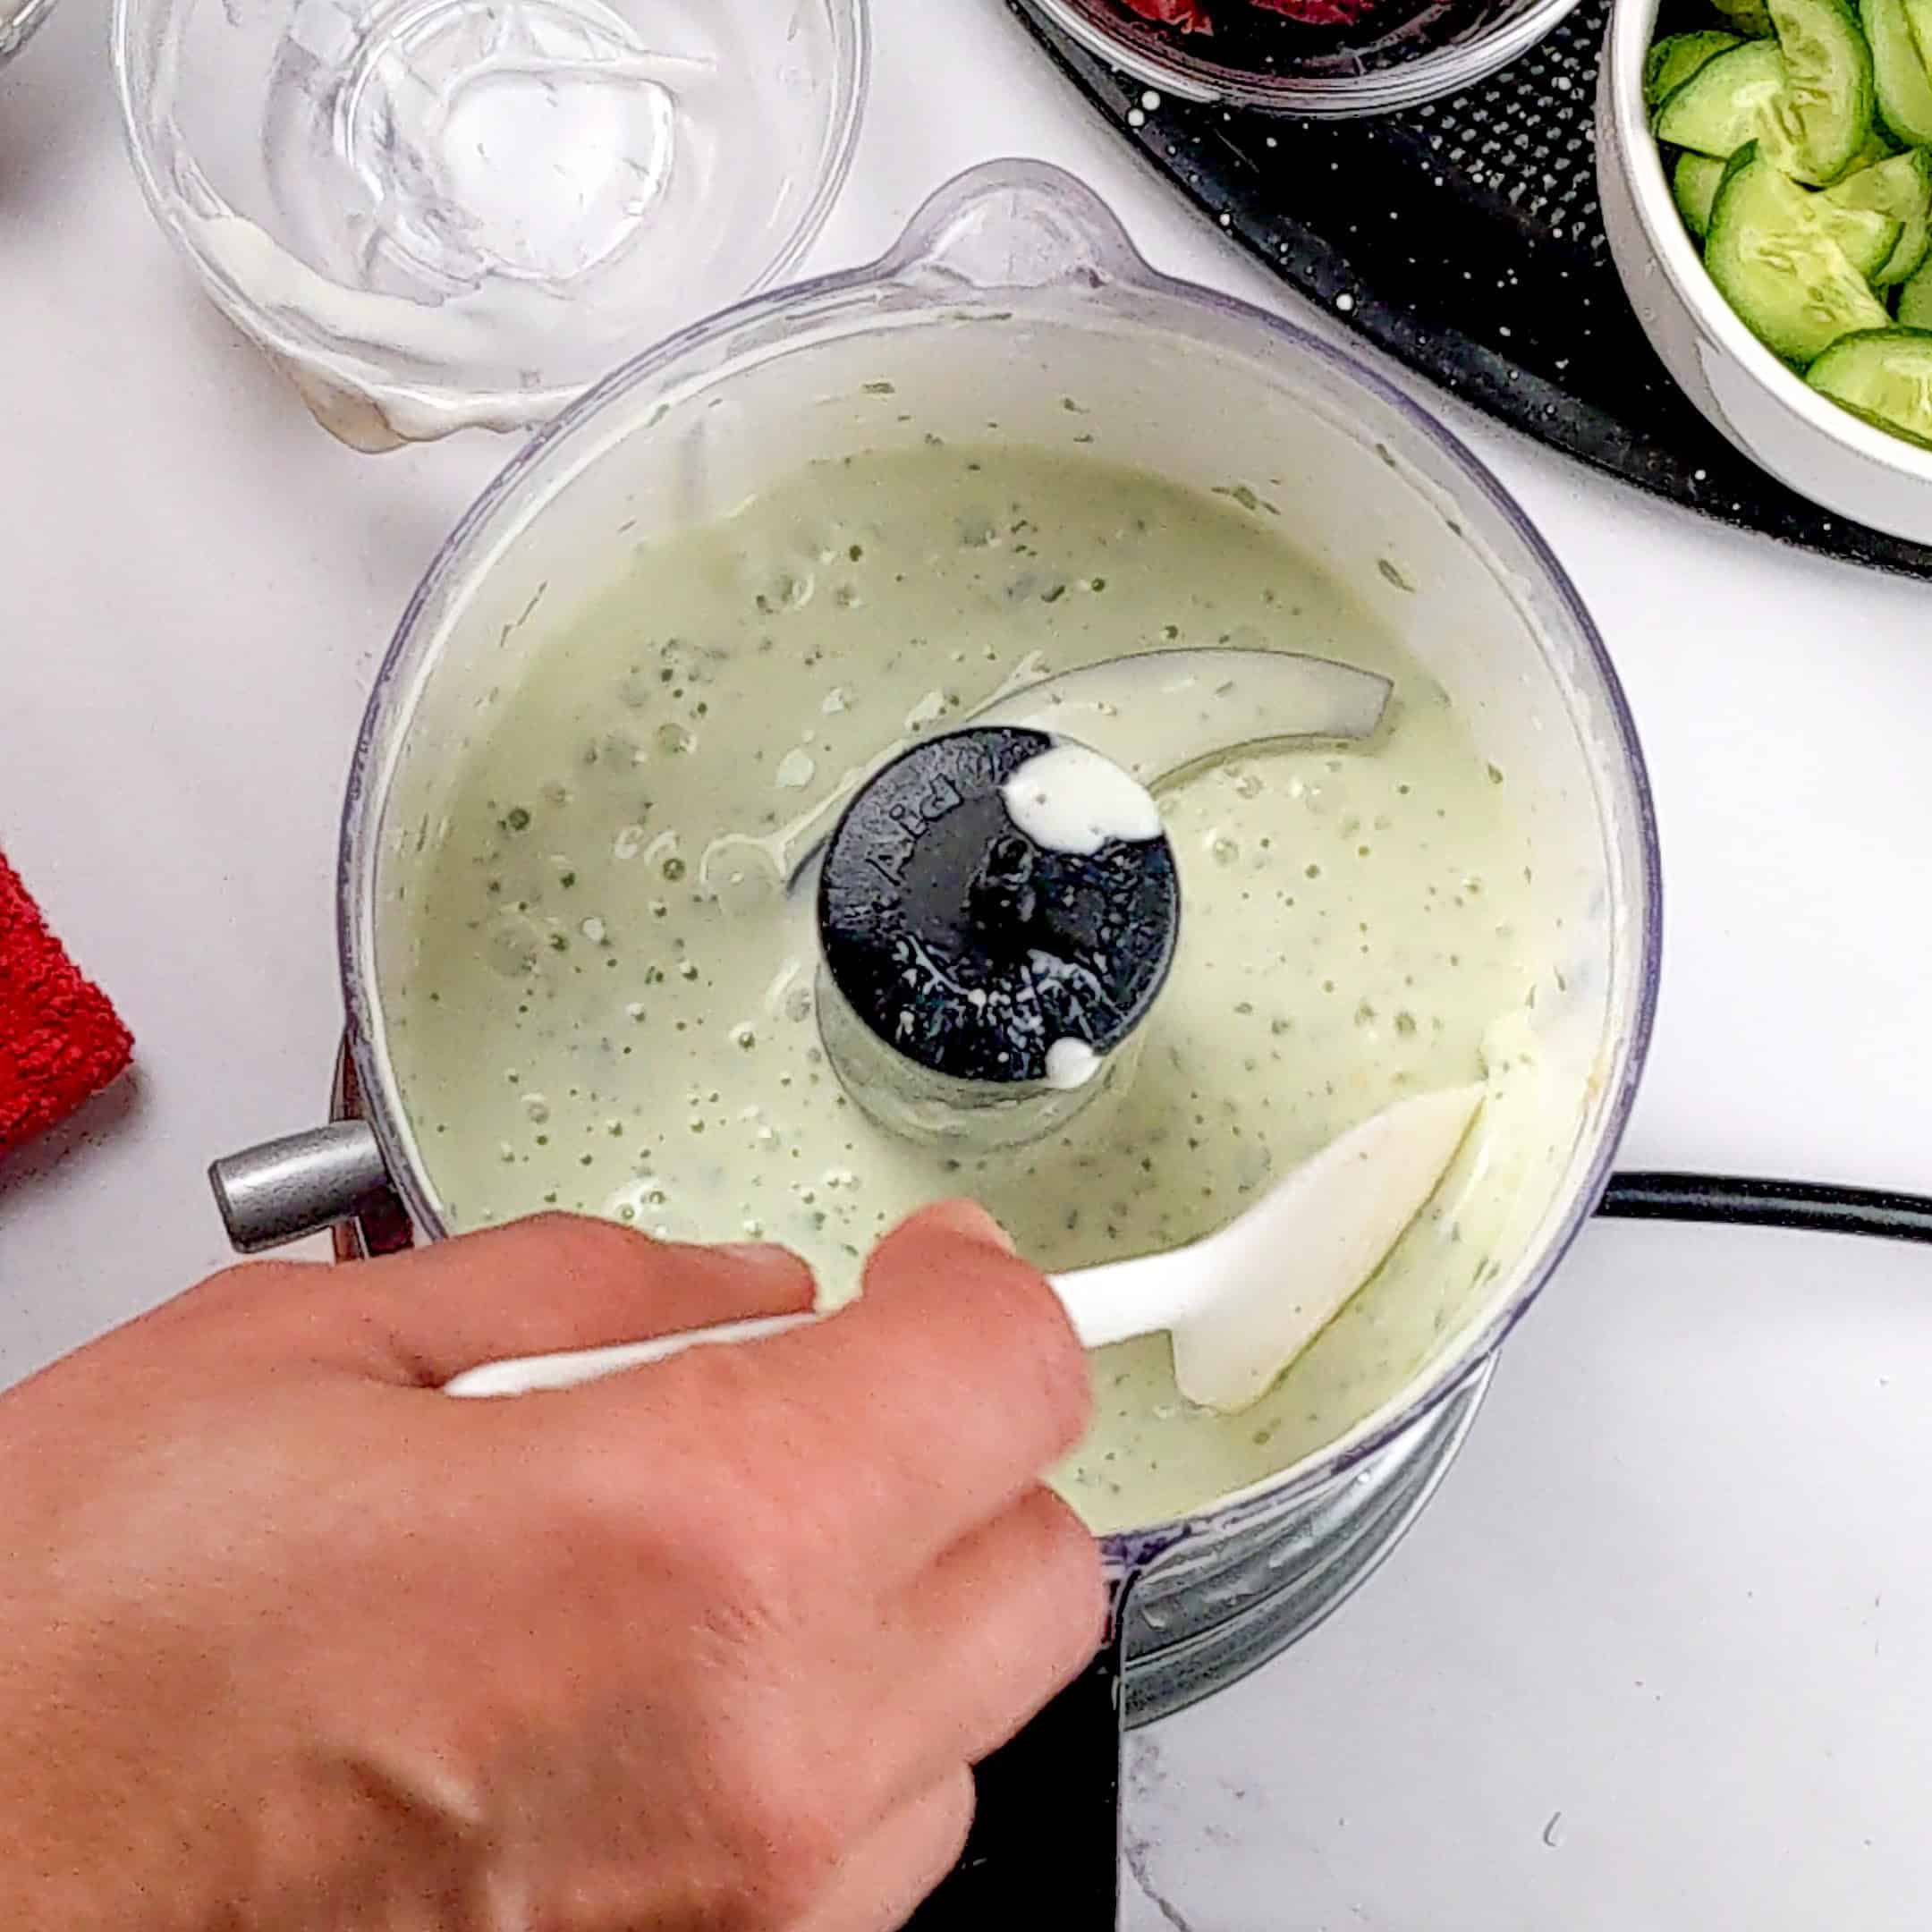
(438, 212)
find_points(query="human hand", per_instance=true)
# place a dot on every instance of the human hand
(289, 1639)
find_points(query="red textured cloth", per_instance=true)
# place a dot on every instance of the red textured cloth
(60, 1040)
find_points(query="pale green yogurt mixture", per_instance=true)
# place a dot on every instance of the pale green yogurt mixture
(610, 1003)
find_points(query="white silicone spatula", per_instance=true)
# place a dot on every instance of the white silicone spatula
(1240, 1306)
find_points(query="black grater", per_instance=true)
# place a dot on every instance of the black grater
(1464, 238)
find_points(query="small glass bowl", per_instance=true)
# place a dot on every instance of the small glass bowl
(17, 21)
(1400, 55)
(440, 214)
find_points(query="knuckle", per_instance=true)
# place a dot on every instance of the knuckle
(1069, 1559)
(1049, 1362)
(251, 1308)
(949, 1818)
(588, 1242)
(784, 1842)
(245, 1284)
(723, 1548)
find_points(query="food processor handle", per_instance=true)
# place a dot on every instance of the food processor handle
(282, 1189)
(1045, 1845)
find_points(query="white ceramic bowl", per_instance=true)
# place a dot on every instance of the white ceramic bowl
(1810, 444)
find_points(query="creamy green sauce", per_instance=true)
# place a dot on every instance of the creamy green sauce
(610, 1003)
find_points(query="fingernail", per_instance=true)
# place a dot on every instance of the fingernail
(767, 1255)
(972, 1222)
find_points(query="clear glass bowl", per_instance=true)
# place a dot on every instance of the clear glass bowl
(17, 21)
(1400, 54)
(437, 214)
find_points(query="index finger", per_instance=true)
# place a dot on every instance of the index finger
(925, 1410)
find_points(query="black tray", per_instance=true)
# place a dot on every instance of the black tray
(1464, 238)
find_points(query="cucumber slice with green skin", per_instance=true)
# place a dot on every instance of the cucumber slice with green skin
(1719, 108)
(1905, 89)
(1674, 59)
(1817, 126)
(1748, 16)
(1915, 300)
(1901, 188)
(1918, 25)
(1695, 183)
(1878, 146)
(1867, 235)
(1886, 377)
(1772, 261)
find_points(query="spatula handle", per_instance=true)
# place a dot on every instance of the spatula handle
(1106, 1304)
(534, 1372)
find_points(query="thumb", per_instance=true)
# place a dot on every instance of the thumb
(539, 1287)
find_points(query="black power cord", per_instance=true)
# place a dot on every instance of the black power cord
(1738, 1202)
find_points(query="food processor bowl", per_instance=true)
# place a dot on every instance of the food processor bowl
(1015, 309)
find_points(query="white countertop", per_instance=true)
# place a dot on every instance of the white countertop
(1657, 1656)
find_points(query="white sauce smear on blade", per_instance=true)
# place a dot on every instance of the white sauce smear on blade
(1071, 799)
(1071, 1064)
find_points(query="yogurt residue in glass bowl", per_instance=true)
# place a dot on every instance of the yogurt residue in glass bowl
(441, 213)
(19, 18)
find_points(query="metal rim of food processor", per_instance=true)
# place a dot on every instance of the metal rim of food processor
(1129, 1552)
(851, 24)
(1403, 83)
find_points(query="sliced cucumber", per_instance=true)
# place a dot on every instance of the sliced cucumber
(1675, 58)
(1748, 16)
(1903, 87)
(1867, 235)
(1900, 188)
(1695, 183)
(1772, 261)
(1919, 24)
(1816, 127)
(1915, 300)
(1878, 146)
(1886, 377)
(1720, 108)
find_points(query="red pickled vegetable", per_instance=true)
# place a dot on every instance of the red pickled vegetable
(1320, 12)
(1191, 16)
